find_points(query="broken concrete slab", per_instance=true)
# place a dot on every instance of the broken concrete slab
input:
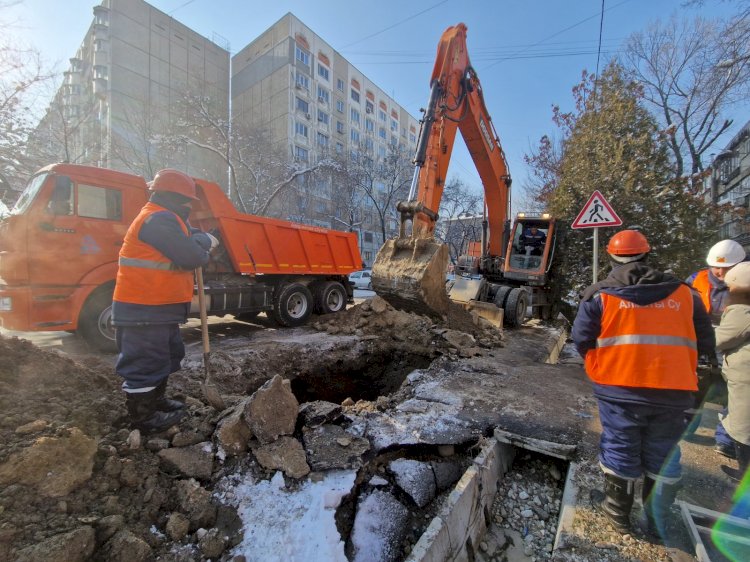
(318, 412)
(286, 454)
(415, 478)
(272, 410)
(379, 528)
(74, 546)
(195, 461)
(331, 447)
(446, 474)
(233, 432)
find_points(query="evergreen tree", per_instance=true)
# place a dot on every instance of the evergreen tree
(612, 143)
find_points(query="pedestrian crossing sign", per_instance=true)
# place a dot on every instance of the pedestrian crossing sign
(596, 212)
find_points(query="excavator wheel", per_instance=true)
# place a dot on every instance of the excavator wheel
(515, 307)
(502, 295)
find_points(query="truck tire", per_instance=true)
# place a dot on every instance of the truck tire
(95, 321)
(515, 307)
(330, 297)
(293, 305)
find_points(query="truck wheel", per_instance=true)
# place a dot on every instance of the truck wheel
(515, 307)
(95, 321)
(293, 305)
(330, 297)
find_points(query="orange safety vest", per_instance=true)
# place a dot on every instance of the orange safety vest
(702, 284)
(146, 276)
(650, 346)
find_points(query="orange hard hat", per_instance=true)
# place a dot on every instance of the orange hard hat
(628, 243)
(173, 181)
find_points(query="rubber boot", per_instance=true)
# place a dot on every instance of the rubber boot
(743, 459)
(164, 404)
(616, 501)
(657, 499)
(144, 415)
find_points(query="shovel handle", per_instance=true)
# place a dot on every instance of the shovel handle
(202, 307)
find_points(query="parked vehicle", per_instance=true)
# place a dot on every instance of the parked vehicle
(361, 279)
(59, 252)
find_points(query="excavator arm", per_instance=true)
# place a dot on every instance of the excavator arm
(409, 271)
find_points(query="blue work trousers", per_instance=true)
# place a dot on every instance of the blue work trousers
(148, 354)
(640, 438)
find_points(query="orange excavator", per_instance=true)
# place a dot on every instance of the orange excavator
(512, 270)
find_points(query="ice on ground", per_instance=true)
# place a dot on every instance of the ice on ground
(292, 526)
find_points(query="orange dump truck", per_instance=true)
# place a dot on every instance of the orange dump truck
(59, 250)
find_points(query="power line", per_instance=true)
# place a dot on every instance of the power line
(599, 49)
(394, 25)
(181, 6)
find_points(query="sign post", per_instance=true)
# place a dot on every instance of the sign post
(595, 213)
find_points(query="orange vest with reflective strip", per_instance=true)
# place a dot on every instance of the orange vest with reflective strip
(702, 284)
(651, 346)
(145, 275)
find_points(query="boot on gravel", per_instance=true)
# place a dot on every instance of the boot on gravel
(144, 415)
(657, 501)
(616, 501)
(743, 459)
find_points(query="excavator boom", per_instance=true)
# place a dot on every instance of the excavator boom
(409, 271)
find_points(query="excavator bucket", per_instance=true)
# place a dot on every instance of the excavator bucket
(409, 273)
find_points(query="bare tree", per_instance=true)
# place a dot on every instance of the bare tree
(136, 143)
(22, 77)
(692, 72)
(460, 212)
(383, 181)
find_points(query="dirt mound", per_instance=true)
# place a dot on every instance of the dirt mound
(376, 317)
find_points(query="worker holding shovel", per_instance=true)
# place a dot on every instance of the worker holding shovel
(152, 298)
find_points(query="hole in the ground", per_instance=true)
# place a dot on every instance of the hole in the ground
(366, 378)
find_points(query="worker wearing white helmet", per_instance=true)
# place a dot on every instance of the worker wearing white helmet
(714, 293)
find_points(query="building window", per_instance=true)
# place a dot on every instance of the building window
(301, 55)
(382, 116)
(355, 116)
(381, 151)
(369, 107)
(100, 71)
(368, 237)
(323, 72)
(320, 206)
(339, 148)
(354, 135)
(369, 125)
(412, 137)
(300, 129)
(323, 95)
(302, 105)
(322, 140)
(301, 153)
(340, 106)
(381, 133)
(339, 84)
(368, 144)
(303, 81)
(339, 127)
(355, 95)
(394, 125)
(323, 117)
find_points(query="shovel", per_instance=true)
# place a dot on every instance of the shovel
(210, 392)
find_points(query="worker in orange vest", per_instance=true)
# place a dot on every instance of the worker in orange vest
(640, 332)
(721, 258)
(153, 291)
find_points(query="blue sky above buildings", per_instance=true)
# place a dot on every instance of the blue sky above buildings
(528, 53)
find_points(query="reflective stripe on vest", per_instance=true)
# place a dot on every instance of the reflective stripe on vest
(650, 346)
(146, 276)
(702, 284)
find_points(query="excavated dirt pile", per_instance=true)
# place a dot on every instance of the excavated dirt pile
(77, 484)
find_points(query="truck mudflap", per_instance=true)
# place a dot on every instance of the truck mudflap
(409, 273)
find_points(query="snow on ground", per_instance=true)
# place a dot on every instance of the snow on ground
(292, 526)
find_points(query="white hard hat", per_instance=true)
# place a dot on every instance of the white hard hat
(725, 254)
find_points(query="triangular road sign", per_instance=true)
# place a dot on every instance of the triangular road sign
(596, 212)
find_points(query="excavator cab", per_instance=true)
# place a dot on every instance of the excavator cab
(530, 249)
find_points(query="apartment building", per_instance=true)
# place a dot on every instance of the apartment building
(730, 185)
(123, 88)
(316, 104)
(123, 91)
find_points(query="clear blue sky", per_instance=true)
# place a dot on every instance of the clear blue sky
(528, 53)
